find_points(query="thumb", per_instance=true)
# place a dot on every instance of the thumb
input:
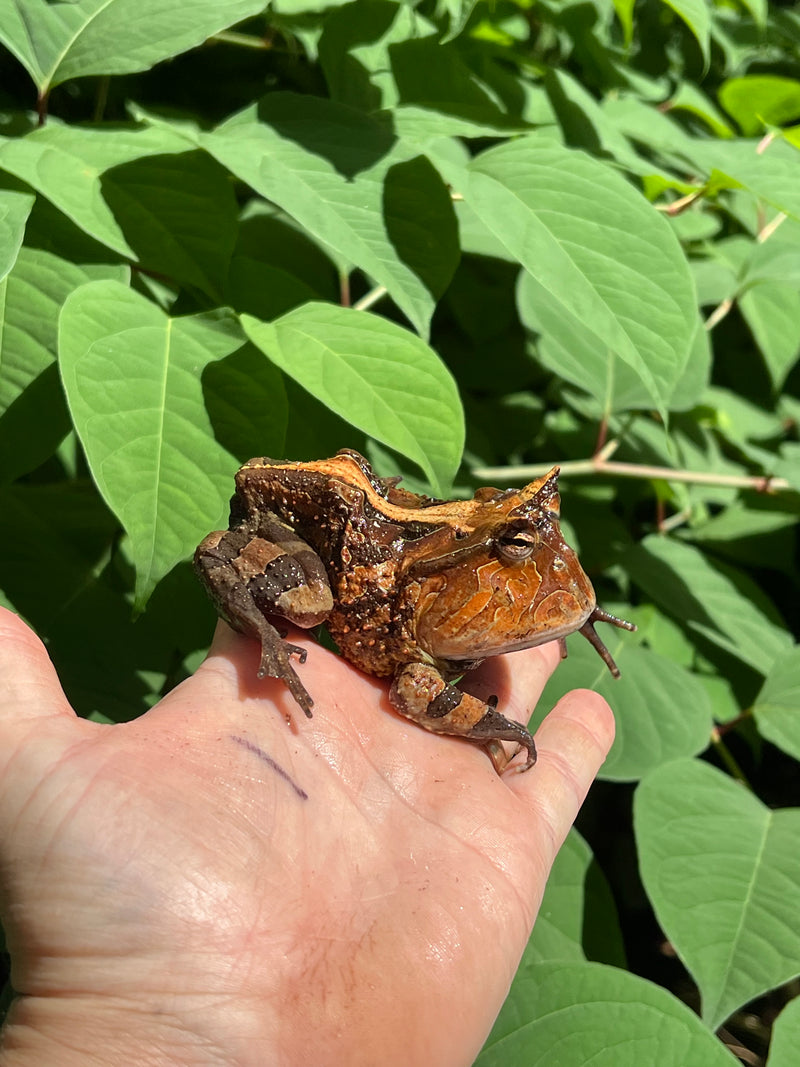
(29, 685)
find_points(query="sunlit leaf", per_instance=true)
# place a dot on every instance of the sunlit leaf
(723, 873)
(376, 375)
(134, 381)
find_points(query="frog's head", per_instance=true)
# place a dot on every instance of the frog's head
(509, 581)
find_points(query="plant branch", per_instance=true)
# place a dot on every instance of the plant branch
(370, 298)
(600, 465)
(244, 40)
(719, 313)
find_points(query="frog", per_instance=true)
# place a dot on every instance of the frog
(411, 588)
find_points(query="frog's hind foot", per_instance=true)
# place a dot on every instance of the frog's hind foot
(420, 693)
(275, 663)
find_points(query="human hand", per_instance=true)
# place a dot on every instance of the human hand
(207, 885)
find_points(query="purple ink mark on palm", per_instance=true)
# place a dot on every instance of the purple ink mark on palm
(270, 762)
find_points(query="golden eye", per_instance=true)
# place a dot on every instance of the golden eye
(516, 546)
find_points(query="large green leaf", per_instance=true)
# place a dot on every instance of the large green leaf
(33, 416)
(564, 1014)
(777, 706)
(376, 375)
(723, 873)
(569, 349)
(662, 710)
(354, 187)
(74, 38)
(179, 214)
(597, 249)
(135, 382)
(66, 164)
(724, 606)
(558, 932)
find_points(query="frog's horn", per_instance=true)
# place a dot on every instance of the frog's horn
(547, 496)
(541, 495)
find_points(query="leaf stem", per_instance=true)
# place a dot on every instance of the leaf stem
(41, 107)
(101, 97)
(762, 483)
(727, 758)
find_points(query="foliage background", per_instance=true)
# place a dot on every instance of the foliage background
(571, 228)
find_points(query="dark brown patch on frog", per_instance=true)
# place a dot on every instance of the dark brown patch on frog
(447, 701)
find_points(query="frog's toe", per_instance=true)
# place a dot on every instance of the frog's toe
(275, 663)
(496, 727)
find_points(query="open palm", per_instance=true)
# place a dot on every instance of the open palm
(211, 885)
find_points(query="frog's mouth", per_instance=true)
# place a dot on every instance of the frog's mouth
(588, 631)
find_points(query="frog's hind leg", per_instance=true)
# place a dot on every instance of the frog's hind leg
(420, 693)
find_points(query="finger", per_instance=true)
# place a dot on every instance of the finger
(29, 685)
(573, 741)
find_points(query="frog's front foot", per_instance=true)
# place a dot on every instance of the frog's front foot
(420, 693)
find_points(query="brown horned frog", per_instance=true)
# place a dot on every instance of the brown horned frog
(411, 588)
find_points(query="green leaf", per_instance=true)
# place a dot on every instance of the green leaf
(772, 313)
(569, 349)
(585, 124)
(574, 1014)
(355, 51)
(768, 173)
(558, 932)
(275, 267)
(76, 38)
(723, 874)
(376, 375)
(135, 381)
(65, 165)
(689, 98)
(14, 211)
(78, 530)
(760, 100)
(777, 706)
(653, 725)
(785, 1036)
(601, 253)
(697, 17)
(179, 214)
(33, 415)
(624, 10)
(345, 178)
(758, 9)
(722, 605)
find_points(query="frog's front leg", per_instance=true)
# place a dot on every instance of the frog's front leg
(420, 693)
(261, 567)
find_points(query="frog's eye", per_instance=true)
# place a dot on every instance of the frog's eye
(516, 545)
